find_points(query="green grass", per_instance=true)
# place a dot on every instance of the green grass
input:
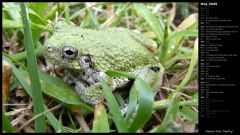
(190, 70)
(32, 64)
(28, 25)
(155, 24)
(100, 124)
(145, 102)
(22, 80)
(6, 124)
(115, 110)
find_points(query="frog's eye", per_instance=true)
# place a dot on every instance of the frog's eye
(69, 52)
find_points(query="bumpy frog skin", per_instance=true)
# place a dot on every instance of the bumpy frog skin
(87, 53)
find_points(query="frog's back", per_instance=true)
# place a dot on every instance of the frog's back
(110, 49)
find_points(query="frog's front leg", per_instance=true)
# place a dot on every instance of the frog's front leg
(73, 80)
(89, 84)
(89, 87)
(93, 93)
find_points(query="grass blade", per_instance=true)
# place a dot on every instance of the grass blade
(163, 104)
(23, 55)
(120, 74)
(119, 98)
(35, 83)
(163, 49)
(38, 9)
(171, 62)
(176, 40)
(38, 18)
(73, 125)
(11, 24)
(100, 123)
(151, 20)
(16, 9)
(64, 93)
(6, 124)
(187, 33)
(145, 105)
(76, 14)
(171, 113)
(188, 22)
(18, 75)
(119, 14)
(188, 28)
(90, 21)
(132, 103)
(60, 122)
(14, 15)
(192, 64)
(184, 8)
(52, 119)
(146, 95)
(16, 24)
(114, 109)
(66, 14)
(174, 106)
(188, 113)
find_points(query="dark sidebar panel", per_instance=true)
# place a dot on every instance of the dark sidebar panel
(219, 61)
